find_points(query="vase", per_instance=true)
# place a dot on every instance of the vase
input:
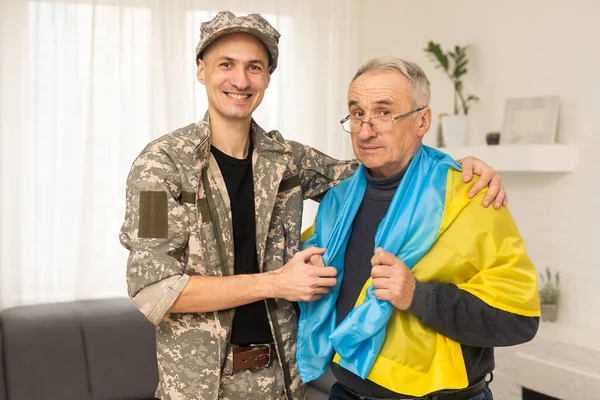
(549, 312)
(455, 130)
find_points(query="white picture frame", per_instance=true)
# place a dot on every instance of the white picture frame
(530, 120)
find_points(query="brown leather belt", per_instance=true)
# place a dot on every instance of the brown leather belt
(252, 356)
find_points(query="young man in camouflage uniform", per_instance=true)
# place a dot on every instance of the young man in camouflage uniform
(213, 227)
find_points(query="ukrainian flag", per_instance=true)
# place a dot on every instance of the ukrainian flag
(440, 234)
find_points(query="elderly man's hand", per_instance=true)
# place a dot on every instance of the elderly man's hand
(392, 279)
(488, 177)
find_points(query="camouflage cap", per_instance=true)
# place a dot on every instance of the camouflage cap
(226, 22)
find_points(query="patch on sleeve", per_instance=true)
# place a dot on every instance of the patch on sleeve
(289, 183)
(153, 215)
(188, 197)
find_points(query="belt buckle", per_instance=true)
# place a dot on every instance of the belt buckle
(268, 346)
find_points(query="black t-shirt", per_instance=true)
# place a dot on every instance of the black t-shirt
(250, 323)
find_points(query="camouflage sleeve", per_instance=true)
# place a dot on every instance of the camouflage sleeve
(155, 232)
(319, 172)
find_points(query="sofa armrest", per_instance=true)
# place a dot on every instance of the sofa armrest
(81, 350)
(43, 349)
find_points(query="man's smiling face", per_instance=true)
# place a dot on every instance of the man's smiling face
(235, 71)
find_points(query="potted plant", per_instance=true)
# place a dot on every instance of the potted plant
(454, 63)
(549, 295)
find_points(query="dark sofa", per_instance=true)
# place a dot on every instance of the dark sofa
(93, 349)
(83, 350)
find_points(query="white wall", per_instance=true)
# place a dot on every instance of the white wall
(521, 48)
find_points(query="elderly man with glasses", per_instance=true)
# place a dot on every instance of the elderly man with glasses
(429, 281)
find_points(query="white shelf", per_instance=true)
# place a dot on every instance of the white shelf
(521, 158)
(582, 336)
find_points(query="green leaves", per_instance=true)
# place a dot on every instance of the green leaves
(436, 52)
(549, 291)
(454, 63)
(459, 58)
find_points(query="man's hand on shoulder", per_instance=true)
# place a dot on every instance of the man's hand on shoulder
(304, 277)
(488, 177)
(392, 279)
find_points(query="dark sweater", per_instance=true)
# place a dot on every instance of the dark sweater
(443, 307)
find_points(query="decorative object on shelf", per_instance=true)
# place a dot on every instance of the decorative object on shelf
(492, 138)
(549, 295)
(455, 128)
(539, 158)
(530, 120)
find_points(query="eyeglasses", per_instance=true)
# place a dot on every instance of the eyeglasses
(378, 124)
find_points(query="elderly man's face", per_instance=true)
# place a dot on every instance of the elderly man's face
(379, 93)
(235, 71)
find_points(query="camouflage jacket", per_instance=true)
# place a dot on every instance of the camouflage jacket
(178, 224)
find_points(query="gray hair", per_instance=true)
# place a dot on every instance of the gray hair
(411, 71)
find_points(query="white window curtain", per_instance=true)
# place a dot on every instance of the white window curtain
(85, 85)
